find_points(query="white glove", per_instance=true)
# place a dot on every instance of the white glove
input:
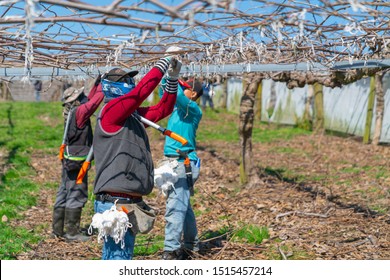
(173, 49)
(174, 68)
(165, 178)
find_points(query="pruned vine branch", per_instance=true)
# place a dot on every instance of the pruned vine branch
(69, 34)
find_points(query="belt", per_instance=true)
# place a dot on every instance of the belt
(118, 197)
(179, 158)
(173, 156)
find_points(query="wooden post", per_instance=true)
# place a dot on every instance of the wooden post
(319, 122)
(224, 96)
(258, 102)
(58, 90)
(380, 107)
(271, 102)
(307, 121)
(244, 127)
(370, 111)
(1, 90)
(5, 92)
(248, 173)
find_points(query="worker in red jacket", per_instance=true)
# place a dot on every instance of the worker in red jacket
(123, 160)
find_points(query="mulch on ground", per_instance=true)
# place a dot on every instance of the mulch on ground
(325, 219)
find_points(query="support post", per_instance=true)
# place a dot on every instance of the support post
(258, 102)
(370, 111)
(319, 121)
(380, 107)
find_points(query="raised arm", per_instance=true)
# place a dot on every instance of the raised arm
(86, 110)
(161, 110)
(116, 111)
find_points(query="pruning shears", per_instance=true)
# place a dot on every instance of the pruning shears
(163, 130)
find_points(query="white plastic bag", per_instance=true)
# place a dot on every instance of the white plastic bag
(165, 177)
(111, 223)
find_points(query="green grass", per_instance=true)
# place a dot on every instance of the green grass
(221, 233)
(291, 252)
(14, 240)
(264, 134)
(148, 245)
(353, 170)
(223, 126)
(286, 150)
(24, 127)
(251, 234)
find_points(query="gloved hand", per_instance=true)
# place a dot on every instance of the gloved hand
(174, 68)
(170, 53)
(170, 62)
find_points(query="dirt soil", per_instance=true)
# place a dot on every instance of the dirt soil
(343, 214)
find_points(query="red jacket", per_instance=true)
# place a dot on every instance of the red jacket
(116, 111)
(85, 111)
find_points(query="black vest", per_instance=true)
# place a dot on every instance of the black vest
(78, 136)
(123, 160)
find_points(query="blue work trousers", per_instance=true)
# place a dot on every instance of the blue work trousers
(180, 219)
(111, 250)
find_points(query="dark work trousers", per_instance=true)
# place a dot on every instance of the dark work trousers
(70, 195)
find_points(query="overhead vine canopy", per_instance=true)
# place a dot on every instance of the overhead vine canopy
(71, 34)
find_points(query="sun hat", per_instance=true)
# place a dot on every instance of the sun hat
(71, 94)
(117, 74)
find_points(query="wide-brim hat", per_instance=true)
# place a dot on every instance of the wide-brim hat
(117, 74)
(71, 94)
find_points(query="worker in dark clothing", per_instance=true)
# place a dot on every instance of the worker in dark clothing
(71, 197)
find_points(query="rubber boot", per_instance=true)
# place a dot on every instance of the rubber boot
(72, 225)
(58, 221)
